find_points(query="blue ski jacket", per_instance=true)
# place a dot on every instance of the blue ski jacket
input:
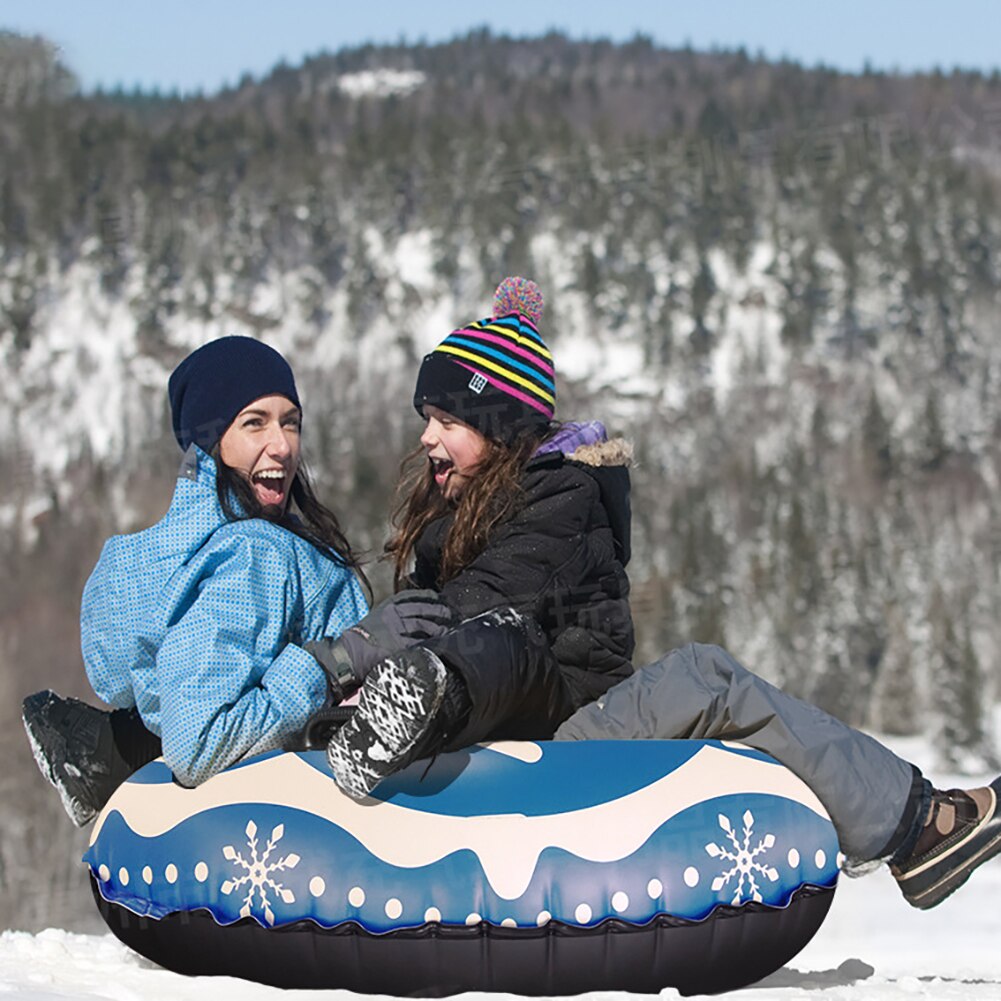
(197, 622)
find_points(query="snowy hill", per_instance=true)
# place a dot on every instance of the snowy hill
(782, 284)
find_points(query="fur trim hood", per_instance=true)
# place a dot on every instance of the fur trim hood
(615, 452)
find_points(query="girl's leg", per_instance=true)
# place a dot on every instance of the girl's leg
(492, 677)
(872, 796)
(881, 807)
(515, 688)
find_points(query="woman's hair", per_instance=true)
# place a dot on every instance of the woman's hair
(491, 496)
(318, 525)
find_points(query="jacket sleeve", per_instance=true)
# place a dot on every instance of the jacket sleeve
(526, 552)
(231, 681)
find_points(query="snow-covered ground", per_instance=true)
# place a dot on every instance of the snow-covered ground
(872, 947)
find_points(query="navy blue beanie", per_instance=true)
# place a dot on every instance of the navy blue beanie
(213, 384)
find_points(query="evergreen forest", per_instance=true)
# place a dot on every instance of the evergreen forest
(781, 283)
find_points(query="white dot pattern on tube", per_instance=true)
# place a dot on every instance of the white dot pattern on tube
(583, 913)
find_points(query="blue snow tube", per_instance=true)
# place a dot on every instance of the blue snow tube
(529, 868)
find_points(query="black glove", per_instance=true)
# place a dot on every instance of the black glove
(404, 620)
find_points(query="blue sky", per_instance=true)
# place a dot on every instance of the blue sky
(192, 44)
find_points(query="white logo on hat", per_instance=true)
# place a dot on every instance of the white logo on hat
(478, 383)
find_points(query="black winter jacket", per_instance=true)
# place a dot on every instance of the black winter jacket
(560, 559)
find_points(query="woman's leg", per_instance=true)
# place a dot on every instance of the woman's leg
(85, 752)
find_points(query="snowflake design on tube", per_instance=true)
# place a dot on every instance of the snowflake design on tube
(745, 865)
(258, 873)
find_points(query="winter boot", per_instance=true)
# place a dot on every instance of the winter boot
(398, 720)
(961, 831)
(85, 752)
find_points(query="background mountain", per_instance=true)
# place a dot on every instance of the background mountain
(781, 283)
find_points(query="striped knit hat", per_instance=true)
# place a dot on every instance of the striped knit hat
(495, 374)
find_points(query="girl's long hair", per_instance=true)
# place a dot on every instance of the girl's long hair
(316, 524)
(492, 495)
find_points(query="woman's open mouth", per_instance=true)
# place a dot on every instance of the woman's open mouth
(269, 485)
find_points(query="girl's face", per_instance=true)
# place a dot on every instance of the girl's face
(454, 448)
(262, 444)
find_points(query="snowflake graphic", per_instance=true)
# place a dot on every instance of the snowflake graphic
(743, 857)
(258, 872)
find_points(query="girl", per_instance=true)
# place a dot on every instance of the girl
(490, 529)
(194, 628)
(522, 529)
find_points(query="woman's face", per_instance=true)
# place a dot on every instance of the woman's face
(454, 449)
(262, 444)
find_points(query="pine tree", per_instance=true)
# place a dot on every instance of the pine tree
(703, 289)
(895, 707)
(877, 444)
(961, 737)
(933, 449)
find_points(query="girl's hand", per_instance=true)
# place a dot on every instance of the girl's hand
(402, 621)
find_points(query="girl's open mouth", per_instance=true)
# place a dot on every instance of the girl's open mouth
(441, 467)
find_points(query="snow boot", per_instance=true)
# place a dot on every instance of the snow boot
(962, 830)
(398, 720)
(85, 752)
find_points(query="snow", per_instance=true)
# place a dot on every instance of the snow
(413, 258)
(753, 322)
(381, 82)
(872, 947)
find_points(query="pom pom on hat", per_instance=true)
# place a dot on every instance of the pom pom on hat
(521, 296)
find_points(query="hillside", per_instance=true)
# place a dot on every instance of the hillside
(782, 283)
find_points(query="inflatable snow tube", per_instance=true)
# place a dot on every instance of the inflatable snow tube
(531, 868)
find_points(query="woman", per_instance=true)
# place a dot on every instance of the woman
(196, 625)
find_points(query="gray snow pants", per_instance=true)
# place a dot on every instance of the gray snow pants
(702, 692)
